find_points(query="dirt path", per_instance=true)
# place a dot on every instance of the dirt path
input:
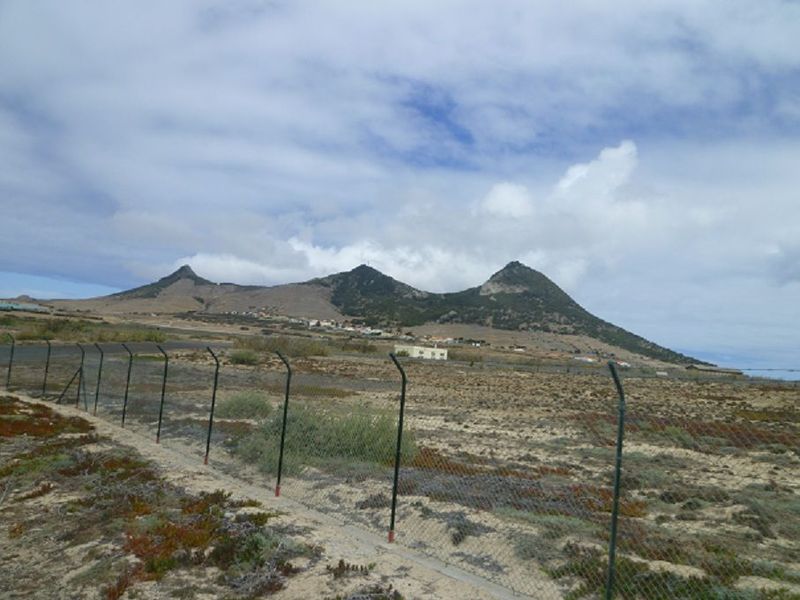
(414, 576)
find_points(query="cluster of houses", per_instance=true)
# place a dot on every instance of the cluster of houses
(435, 351)
(331, 325)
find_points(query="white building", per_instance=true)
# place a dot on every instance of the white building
(421, 352)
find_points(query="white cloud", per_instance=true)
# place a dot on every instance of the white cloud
(271, 142)
(508, 200)
(229, 268)
(602, 177)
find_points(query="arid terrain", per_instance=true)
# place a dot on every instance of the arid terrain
(92, 511)
(506, 467)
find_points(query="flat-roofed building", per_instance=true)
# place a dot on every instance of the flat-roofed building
(421, 352)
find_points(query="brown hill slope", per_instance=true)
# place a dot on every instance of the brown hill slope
(185, 291)
(516, 298)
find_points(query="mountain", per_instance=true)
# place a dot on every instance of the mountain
(184, 274)
(516, 298)
(184, 291)
(376, 298)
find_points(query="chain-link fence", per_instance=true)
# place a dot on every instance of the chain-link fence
(506, 472)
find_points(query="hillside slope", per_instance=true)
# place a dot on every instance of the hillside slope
(516, 298)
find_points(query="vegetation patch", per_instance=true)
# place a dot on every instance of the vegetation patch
(343, 569)
(36, 420)
(316, 437)
(115, 498)
(82, 330)
(243, 357)
(695, 434)
(634, 580)
(245, 405)
(433, 459)
(289, 346)
(360, 346)
(554, 527)
(377, 591)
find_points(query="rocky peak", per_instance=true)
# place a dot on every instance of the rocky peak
(184, 271)
(514, 278)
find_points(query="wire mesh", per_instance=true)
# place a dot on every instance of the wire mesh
(505, 481)
(506, 471)
(339, 444)
(711, 476)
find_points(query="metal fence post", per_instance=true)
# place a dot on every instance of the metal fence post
(163, 393)
(80, 380)
(46, 369)
(399, 442)
(213, 402)
(127, 383)
(99, 376)
(61, 395)
(612, 544)
(10, 360)
(283, 424)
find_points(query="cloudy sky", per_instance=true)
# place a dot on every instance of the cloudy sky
(644, 155)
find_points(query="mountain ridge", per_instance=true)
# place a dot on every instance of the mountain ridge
(515, 298)
(152, 290)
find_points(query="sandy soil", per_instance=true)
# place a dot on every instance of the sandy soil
(412, 575)
(511, 480)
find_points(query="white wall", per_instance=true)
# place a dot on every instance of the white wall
(422, 352)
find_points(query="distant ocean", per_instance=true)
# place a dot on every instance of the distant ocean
(774, 366)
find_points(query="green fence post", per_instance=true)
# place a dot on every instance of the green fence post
(163, 393)
(399, 443)
(10, 360)
(99, 376)
(612, 544)
(283, 424)
(127, 383)
(46, 369)
(213, 402)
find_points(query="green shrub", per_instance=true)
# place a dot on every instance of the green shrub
(552, 526)
(246, 405)
(464, 355)
(48, 329)
(635, 580)
(361, 346)
(290, 346)
(243, 357)
(8, 320)
(682, 437)
(149, 357)
(80, 330)
(326, 438)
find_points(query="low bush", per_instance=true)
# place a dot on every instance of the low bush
(361, 346)
(290, 346)
(320, 438)
(246, 405)
(48, 329)
(553, 527)
(635, 579)
(464, 355)
(243, 357)
(81, 330)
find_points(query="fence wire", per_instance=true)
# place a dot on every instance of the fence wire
(507, 473)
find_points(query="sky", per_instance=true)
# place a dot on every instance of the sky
(643, 155)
